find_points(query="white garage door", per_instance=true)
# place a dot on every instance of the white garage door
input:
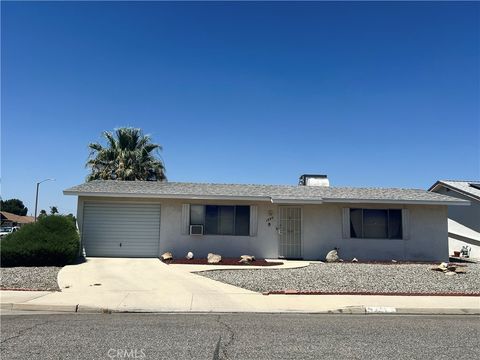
(121, 229)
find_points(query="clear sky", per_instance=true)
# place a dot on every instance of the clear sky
(371, 94)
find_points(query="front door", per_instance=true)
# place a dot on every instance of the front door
(290, 232)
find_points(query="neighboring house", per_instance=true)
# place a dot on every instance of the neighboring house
(463, 221)
(145, 219)
(9, 219)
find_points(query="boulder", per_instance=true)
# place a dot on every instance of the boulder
(461, 270)
(332, 256)
(354, 260)
(213, 258)
(167, 256)
(189, 255)
(247, 258)
(442, 267)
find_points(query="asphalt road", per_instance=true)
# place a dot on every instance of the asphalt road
(238, 336)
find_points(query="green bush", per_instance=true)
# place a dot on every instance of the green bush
(51, 241)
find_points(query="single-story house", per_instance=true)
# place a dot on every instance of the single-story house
(463, 221)
(9, 219)
(147, 218)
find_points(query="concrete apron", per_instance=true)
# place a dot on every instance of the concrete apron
(148, 285)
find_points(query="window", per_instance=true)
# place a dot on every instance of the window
(376, 223)
(221, 220)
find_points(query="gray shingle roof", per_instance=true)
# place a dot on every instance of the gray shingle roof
(273, 193)
(461, 186)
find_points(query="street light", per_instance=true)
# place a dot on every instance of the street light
(36, 196)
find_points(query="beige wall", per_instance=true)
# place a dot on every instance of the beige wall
(321, 232)
(427, 238)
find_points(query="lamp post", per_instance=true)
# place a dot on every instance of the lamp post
(36, 196)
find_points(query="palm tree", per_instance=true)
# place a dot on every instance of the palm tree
(129, 155)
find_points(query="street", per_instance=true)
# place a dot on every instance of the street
(237, 336)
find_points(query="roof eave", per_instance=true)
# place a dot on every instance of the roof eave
(452, 188)
(296, 201)
(167, 196)
(397, 201)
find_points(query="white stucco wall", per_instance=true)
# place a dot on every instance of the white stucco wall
(463, 224)
(427, 235)
(321, 232)
(264, 244)
(468, 216)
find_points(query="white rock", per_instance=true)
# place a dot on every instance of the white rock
(354, 260)
(213, 258)
(332, 256)
(189, 255)
(167, 256)
(247, 258)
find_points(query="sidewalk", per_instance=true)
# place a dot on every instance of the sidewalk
(173, 288)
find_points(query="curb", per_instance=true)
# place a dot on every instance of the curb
(35, 307)
(367, 293)
(349, 310)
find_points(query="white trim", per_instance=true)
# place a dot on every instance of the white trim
(295, 202)
(405, 224)
(168, 196)
(392, 201)
(346, 223)
(253, 220)
(186, 219)
(267, 198)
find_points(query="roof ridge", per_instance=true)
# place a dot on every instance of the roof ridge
(467, 181)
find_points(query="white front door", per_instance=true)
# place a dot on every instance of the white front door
(290, 232)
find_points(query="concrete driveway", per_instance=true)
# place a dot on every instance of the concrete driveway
(139, 284)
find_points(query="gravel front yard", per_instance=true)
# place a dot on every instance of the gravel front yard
(36, 278)
(348, 277)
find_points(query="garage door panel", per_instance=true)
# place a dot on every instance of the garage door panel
(106, 226)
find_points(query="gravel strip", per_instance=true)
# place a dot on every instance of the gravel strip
(348, 277)
(35, 278)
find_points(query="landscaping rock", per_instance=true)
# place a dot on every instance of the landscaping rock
(354, 260)
(33, 278)
(247, 258)
(332, 256)
(461, 270)
(213, 258)
(189, 255)
(167, 256)
(358, 277)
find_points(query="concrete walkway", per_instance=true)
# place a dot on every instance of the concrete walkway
(148, 285)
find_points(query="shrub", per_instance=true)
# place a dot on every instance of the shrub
(51, 241)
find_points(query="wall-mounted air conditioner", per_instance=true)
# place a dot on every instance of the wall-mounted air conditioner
(196, 229)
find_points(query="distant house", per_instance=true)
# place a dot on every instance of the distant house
(463, 221)
(9, 219)
(147, 218)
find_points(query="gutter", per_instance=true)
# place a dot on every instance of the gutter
(164, 196)
(394, 201)
(272, 200)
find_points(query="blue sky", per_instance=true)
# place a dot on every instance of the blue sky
(372, 94)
